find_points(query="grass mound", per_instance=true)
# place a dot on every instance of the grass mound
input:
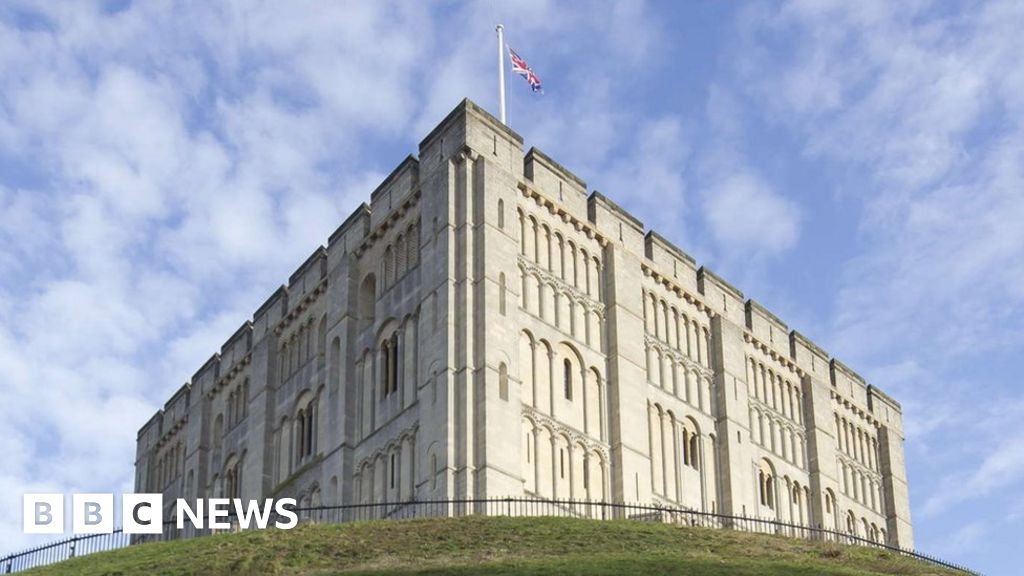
(492, 545)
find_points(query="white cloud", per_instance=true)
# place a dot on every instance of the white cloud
(746, 216)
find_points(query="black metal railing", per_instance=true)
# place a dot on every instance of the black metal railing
(88, 544)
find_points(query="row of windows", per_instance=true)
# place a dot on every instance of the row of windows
(232, 480)
(785, 497)
(774, 391)
(856, 443)
(669, 325)
(238, 404)
(551, 251)
(167, 467)
(557, 382)
(299, 348)
(870, 530)
(386, 372)
(305, 432)
(675, 448)
(401, 256)
(390, 475)
(865, 529)
(554, 465)
(295, 439)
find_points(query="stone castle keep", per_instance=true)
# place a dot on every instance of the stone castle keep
(485, 328)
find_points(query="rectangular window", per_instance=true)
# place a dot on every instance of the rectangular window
(567, 377)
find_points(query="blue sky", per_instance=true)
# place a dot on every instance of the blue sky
(857, 167)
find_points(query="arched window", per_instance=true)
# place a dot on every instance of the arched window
(367, 300)
(394, 362)
(694, 452)
(321, 344)
(305, 429)
(300, 436)
(567, 378)
(766, 484)
(503, 381)
(388, 365)
(218, 435)
(389, 267)
(384, 367)
(502, 289)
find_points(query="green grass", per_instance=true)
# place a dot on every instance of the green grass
(482, 545)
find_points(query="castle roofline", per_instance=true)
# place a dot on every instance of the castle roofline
(362, 210)
(876, 391)
(410, 163)
(706, 273)
(596, 196)
(654, 237)
(467, 107)
(755, 306)
(536, 154)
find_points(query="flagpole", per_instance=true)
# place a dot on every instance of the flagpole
(501, 71)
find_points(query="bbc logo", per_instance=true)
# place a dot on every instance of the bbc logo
(92, 513)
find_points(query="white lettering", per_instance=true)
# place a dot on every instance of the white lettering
(280, 507)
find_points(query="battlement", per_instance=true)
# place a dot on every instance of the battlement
(767, 327)
(615, 222)
(238, 345)
(556, 181)
(808, 355)
(666, 256)
(309, 275)
(401, 182)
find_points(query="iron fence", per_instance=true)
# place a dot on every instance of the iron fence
(75, 546)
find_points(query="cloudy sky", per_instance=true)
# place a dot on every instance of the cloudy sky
(858, 167)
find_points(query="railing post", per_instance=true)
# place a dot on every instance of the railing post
(73, 542)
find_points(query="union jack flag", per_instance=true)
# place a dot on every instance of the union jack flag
(519, 66)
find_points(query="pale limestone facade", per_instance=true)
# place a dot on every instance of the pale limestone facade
(486, 328)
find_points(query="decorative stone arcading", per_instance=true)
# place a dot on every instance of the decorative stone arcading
(528, 266)
(543, 420)
(301, 307)
(767, 350)
(859, 466)
(169, 434)
(680, 292)
(410, 200)
(230, 375)
(678, 356)
(395, 442)
(855, 409)
(558, 210)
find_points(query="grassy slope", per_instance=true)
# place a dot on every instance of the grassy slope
(479, 545)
